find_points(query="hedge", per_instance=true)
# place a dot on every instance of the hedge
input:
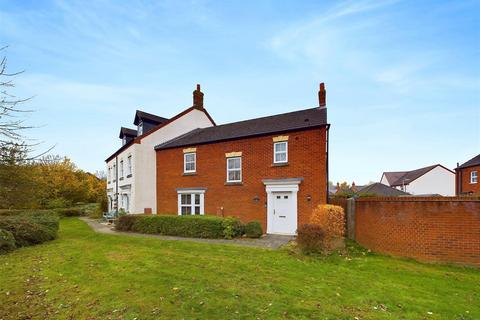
(28, 230)
(182, 226)
(70, 212)
(253, 229)
(7, 241)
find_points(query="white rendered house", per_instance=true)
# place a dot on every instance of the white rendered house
(131, 178)
(431, 180)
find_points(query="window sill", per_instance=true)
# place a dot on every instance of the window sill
(234, 183)
(129, 176)
(282, 164)
(189, 174)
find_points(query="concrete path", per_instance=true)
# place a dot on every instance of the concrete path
(270, 241)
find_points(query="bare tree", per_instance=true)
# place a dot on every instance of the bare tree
(12, 123)
(10, 108)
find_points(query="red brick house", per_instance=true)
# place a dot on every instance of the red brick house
(467, 181)
(272, 169)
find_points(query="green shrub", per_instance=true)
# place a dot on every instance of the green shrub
(58, 203)
(253, 229)
(232, 228)
(311, 238)
(7, 241)
(50, 221)
(70, 212)
(26, 230)
(125, 223)
(182, 226)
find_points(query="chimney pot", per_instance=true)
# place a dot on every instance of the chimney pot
(322, 96)
(198, 98)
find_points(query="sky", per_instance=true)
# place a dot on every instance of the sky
(402, 77)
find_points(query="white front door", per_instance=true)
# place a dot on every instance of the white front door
(284, 213)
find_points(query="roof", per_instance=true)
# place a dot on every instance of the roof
(380, 189)
(158, 126)
(400, 178)
(297, 120)
(127, 132)
(148, 117)
(475, 161)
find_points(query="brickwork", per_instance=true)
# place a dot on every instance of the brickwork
(429, 229)
(247, 201)
(463, 181)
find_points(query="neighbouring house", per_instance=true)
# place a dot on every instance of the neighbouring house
(435, 179)
(380, 190)
(272, 169)
(131, 179)
(467, 181)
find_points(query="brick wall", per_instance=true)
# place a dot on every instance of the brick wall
(306, 159)
(428, 229)
(463, 181)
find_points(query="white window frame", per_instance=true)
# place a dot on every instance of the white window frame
(129, 165)
(114, 173)
(109, 174)
(275, 152)
(192, 204)
(121, 168)
(185, 162)
(234, 169)
(473, 177)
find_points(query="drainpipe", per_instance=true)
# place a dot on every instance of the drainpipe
(116, 185)
(326, 161)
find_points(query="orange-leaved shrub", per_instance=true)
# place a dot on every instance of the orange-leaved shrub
(311, 238)
(332, 221)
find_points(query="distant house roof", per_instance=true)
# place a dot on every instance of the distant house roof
(399, 178)
(380, 189)
(127, 132)
(297, 120)
(145, 116)
(475, 161)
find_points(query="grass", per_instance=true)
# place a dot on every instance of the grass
(85, 275)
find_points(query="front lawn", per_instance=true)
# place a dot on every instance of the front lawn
(84, 275)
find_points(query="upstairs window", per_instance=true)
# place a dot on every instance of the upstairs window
(140, 128)
(280, 152)
(234, 169)
(114, 172)
(121, 169)
(109, 174)
(129, 165)
(190, 162)
(474, 177)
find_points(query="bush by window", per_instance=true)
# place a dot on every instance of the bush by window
(253, 229)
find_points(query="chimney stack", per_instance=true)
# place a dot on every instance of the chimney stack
(198, 98)
(322, 96)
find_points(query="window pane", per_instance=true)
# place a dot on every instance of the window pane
(230, 163)
(280, 157)
(197, 199)
(280, 146)
(231, 176)
(186, 199)
(190, 166)
(189, 157)
(197, 210)
(236, 175)
(236, 163)
(186, 211)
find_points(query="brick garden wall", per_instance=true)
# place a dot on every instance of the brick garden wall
(306, 159)
(428, 229)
